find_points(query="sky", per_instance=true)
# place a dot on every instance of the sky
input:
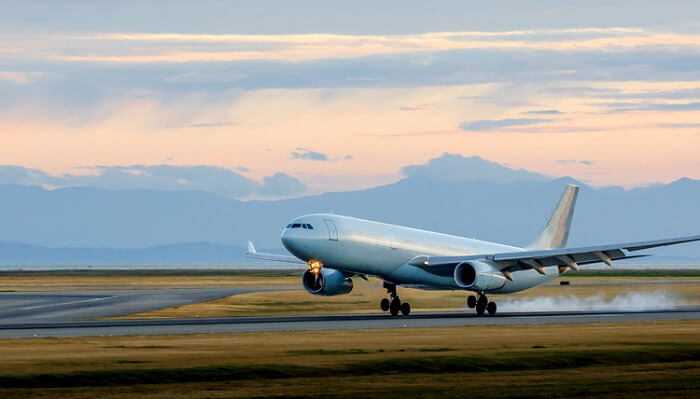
(285, 98)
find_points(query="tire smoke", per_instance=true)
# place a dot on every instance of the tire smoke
(632, 301)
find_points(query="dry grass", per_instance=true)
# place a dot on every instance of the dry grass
(625, 376)
(631, 381)
(319, 348)
(120, 282)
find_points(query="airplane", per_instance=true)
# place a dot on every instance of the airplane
(337, 248)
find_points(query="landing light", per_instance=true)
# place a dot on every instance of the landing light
(315, 266)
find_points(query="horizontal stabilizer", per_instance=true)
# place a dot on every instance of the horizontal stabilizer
(251, 252)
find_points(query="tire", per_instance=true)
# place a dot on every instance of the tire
(491, 308)
(384, 304)
(405, 309)
(471, 302)
(394, 307)
(480, 310)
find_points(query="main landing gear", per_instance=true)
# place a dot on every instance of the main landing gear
(481, 303)
(394, 306)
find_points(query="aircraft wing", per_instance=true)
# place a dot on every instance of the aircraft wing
(565, 257)
(252, 253)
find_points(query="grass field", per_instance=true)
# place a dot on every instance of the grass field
(608, 360)
(14, 281)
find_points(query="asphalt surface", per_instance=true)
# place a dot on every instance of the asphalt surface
(62, 306)
(329, 322)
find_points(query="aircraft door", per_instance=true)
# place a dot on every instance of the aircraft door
(332, 231)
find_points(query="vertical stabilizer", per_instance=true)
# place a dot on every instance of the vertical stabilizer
(556, 232)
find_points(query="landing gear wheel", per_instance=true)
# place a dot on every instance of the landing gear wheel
(491, 308)
(480, 309)
(394, 307)
(481, 303)
(405, 309)
(471, 302)
(384, 304)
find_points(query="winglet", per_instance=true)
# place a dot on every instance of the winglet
(556, 232)
(251, 248)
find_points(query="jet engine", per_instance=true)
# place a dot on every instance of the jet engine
(326, 282)
(478, 276)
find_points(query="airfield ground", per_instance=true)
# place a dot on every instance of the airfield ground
(611, 360)
(651, 359)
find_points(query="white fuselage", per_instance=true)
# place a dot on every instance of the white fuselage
(361, 246)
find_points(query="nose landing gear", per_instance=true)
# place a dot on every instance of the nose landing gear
(394, 306)
(482, 304)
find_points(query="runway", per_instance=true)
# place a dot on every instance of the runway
(329, 322)
(73, 314)
(63, 306)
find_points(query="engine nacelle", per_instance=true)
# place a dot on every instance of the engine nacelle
(326, 282)
(478, 276)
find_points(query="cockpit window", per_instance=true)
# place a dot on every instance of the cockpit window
(300, 226)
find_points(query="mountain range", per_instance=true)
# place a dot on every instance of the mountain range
(87, 224)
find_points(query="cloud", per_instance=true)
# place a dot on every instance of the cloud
(545, 112)
(669, 94)
(214, 124)
(574, 161)
(415, 107)
(493, 124)
(694, 106)
(309, 155)
(242, 169)
(10, 174)
(619, 107)
(411, 108)
(281, 184)
(455, 167)
(127, 48)
(19, 78)
(387, 17)
(680, 125)
(75, 90)
(159, 177)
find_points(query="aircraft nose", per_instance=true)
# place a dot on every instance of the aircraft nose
(286, 239)
(297, 241)
(291, 240)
